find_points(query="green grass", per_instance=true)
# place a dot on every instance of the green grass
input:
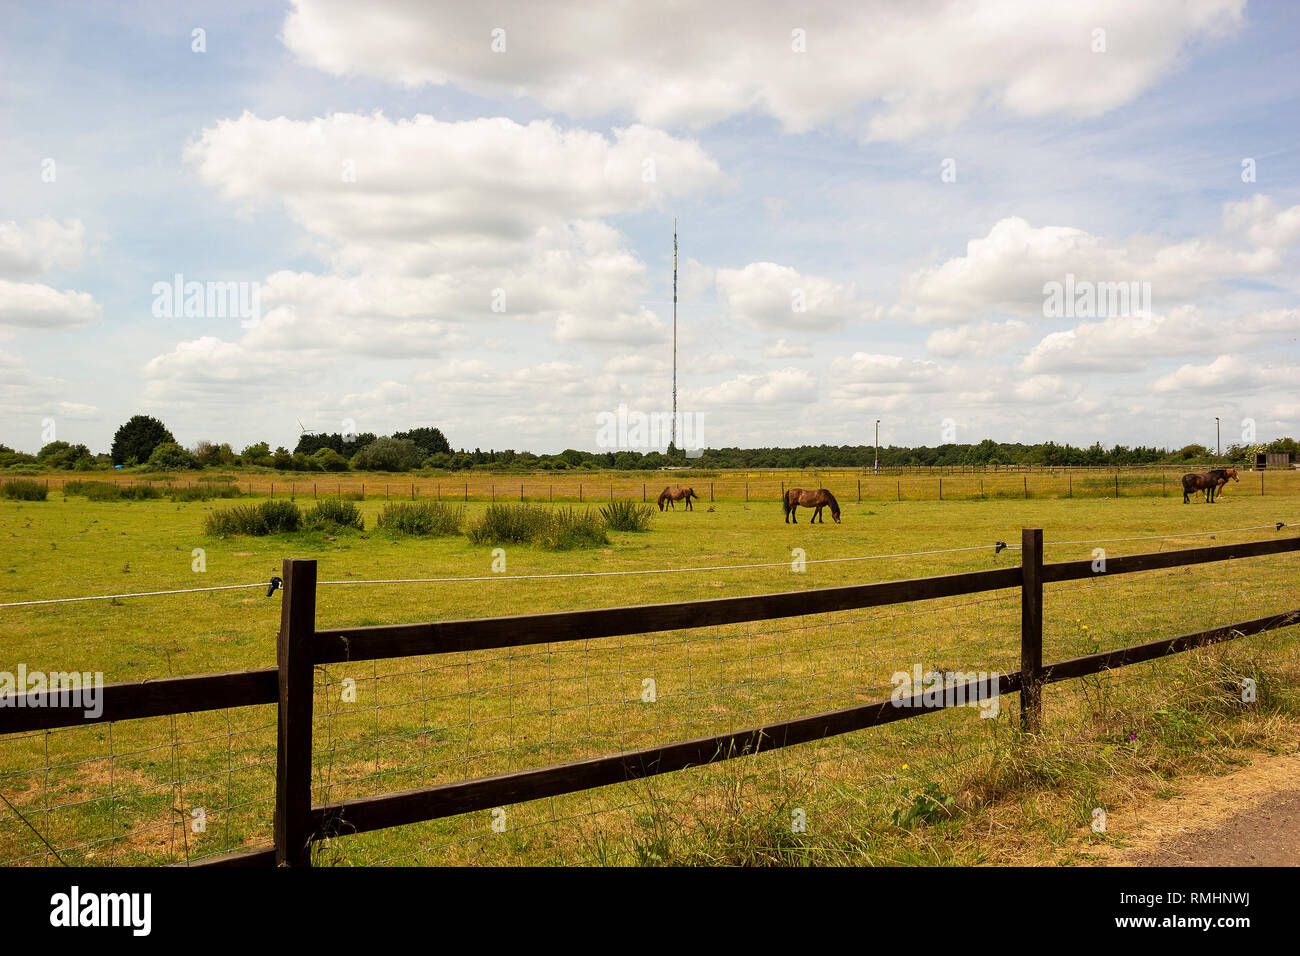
(442, 718)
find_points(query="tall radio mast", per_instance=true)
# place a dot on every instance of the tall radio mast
(674, 426)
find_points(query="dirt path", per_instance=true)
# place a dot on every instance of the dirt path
(1250, 817)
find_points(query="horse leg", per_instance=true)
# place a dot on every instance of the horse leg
(793, 519)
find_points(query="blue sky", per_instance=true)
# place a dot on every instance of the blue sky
(814, 174)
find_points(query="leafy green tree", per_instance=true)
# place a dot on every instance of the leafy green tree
(138, 438)
(327, 459)
(431, 441)
(170, 456)
(387, 454)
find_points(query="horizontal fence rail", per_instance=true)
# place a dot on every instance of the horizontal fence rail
(301, 647)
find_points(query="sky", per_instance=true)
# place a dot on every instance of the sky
(247, 219)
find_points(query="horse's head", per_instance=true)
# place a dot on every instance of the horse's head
(835, 507)
(1232, 473)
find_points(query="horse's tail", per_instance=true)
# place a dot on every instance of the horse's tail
(785, 502)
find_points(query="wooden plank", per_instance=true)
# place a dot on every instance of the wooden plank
(1031, 629)
(261, 856)
(1074, 570)
(150, 698)
(363, 814)
(407, 640)
(293, 751)
(1136, 654)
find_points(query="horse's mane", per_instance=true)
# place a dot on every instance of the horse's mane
(835, 505)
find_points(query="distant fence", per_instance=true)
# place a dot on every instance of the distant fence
(302, 645)
(916, 484)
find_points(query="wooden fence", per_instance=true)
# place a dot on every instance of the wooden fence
(301, 645)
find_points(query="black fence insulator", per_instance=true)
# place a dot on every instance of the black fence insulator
(998, 546)
(274, 585)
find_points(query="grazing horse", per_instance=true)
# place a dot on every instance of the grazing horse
(1209, 482)
(818, 499)
(670, 495)
(1222, 475)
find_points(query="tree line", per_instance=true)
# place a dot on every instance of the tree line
(145, 443)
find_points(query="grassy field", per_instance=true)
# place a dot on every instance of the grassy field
(851, 486)
(923, 790)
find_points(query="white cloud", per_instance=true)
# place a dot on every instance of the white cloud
(887, 71)
(977, 339)
(35, 306)
(1121, 344)
(788, 386)
(1262, 222)
(430, 194)
(767, 295)
(32, 248)
(783, 348)
(1227, 373)
(450, 223)
(1006, 270)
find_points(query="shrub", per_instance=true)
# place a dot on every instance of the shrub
(111, 491)
(203, 492)
(269, 517)
(557, 530)
(626, 515)
(570, 528)
(420, 517)
(24, 489)
(333, 514)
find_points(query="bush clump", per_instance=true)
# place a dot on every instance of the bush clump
(111, 491)
(203, 492)
(269, 517)
(421, 518)
(333, 514)
(626, 515)
(556, 530)
(24, 489)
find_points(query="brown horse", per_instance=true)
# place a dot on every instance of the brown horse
(1223, 474)
(1210, 482)
(818, 500)
(670, 495)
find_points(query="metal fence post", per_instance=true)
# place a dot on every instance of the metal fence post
(293, 750)
(1031, 629)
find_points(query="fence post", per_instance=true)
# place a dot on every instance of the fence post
(293, 749)
(1031, 629)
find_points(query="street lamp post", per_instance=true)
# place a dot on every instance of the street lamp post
(1217, 452)
(877, 466)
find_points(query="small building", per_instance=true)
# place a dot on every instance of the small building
(1273, 459)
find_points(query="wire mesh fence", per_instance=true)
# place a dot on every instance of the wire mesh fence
(138, 792)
